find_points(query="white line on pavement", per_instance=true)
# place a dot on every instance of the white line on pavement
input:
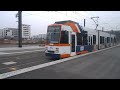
(23, 48)
(2, 53)
(20, 71)
(19, 52)
(9, 63)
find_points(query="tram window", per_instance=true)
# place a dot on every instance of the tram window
(85, 39)
(91, 40)
(64, 37)
(100, 39)
(111, 40)
(114, 39)
(94, 39)
(108, 39)
(79, 39)
(103, 39)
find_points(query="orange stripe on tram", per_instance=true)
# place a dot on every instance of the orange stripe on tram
(72, 25)
(82, 52)
(58, 44)
(64, 55)
(55, 25)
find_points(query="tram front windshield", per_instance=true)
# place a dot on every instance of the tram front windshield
(53, 34)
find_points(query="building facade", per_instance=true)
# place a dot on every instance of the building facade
(40, 36)
(1, 33)
(10, 33)
(26, 31)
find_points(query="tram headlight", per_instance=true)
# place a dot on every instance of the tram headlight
(57, 50)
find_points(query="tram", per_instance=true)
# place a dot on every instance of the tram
(68, 38)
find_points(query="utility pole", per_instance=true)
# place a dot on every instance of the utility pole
(20, 28)
(96, 22)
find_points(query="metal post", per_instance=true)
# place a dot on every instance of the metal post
(98, 40)
(20, 28)
(84, 22)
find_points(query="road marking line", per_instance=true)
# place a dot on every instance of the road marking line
(2, 53)
(20, 71)
(20, 52)
(26, 51)
(23, 48)
(9, 63)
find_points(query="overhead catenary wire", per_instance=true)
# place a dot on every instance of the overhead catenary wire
(28, 14)
(75, 18)
(105, 22)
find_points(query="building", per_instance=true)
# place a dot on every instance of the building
(1, 33)
(26, 31)
(40, 36)
(10, 33)
(43, 36)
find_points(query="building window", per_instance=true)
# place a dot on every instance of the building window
(25, 31)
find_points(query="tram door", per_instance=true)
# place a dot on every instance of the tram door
(90, 40)
(73, 45)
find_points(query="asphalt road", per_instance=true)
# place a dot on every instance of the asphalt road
(101, 65)
(22, 60)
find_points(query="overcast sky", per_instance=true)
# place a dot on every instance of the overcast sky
(39, 20)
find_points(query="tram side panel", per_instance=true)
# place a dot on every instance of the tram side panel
(103, 41)
(112, 40)
(93, 39)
